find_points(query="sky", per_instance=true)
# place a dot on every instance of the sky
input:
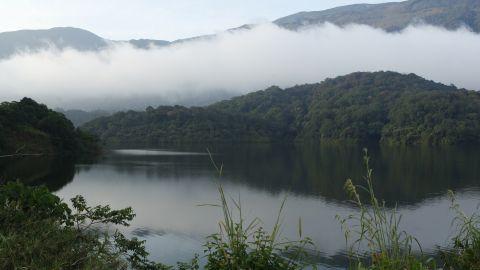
(154, 19)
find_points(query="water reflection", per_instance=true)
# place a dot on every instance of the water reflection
(403, 175)
(50, 171)
(165, 187)
(170, 206)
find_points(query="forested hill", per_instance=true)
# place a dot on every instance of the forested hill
(383, 107)
(27, 127)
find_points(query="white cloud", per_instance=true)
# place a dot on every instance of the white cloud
(236, 63)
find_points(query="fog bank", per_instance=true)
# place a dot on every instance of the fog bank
(199, 72)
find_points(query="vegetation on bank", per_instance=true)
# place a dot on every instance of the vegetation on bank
(384, 107)
(465, 253)
(375, 233)
(29, 127)
(39, 231)
(378, 228)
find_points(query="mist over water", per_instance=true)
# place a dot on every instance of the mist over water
(234, 63)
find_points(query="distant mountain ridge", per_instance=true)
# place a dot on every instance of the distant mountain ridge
(393, 16)
(62, 38)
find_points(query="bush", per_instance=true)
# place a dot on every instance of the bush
(39, 231)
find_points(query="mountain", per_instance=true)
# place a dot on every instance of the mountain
(381, 107)
(60, 37)
(394, 16)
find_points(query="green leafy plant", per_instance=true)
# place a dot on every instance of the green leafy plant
(39, 231)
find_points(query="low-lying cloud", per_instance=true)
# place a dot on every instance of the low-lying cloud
(236, 63)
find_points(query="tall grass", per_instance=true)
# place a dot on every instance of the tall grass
(465, 253)
(241, 244)
(376, 231)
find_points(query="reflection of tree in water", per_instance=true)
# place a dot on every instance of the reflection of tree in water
(403, 175)
(49, 171)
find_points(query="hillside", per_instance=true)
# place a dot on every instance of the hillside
(383, 107)
(394, 16)
(29, 127)
(177, 124)
(59, 37)
(62, 38)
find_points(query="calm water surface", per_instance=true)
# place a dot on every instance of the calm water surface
(165, 186)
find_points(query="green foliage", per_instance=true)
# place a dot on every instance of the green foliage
(284, 110)
(246, 245)
(177, 124)
(242, 245)
(357, 107)
(39, 231)
(465, 253)
(435, 118)
(385, 107)
(33, 128)
(377, 227)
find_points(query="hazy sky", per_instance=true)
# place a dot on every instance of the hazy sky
(159, 19)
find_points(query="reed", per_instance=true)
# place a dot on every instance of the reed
(241, 244)
(374, 232)
(465, 253)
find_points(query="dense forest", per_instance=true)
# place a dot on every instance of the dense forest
(384, 107)
(29, 127)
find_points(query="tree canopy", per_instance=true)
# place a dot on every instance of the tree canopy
(385, 107)
(27, 126)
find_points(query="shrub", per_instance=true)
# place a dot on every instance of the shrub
(39, 231)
